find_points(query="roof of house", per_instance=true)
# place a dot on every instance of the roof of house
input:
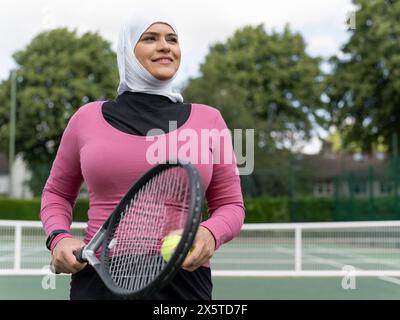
(333, 166)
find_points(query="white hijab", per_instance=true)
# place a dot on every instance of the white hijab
(133, 76)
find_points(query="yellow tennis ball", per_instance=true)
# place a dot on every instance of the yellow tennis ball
(168, 246)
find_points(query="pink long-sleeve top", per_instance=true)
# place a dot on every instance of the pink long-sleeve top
(109, 161)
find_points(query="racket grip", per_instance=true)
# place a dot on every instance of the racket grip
(78, 255)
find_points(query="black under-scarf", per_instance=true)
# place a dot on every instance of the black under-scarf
(136, 113)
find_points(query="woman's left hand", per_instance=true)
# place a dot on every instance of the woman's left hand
(202, 250)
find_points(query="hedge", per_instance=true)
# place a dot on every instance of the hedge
(258, 210)
(29, 209)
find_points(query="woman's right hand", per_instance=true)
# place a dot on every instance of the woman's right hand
(63, 258)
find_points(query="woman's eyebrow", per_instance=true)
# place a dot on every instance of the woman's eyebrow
(157, 34)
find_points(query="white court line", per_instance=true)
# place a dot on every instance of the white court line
(332, 263)
(257, 250)
(390, 279)
(387, 279)
(252, 261)
(336, 264)
(360, 258)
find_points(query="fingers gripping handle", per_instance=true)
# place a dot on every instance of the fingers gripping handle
(53, 269)
(79, 255)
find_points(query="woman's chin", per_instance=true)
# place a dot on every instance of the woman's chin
(163, 76)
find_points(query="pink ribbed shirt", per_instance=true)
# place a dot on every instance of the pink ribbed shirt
(109, 161)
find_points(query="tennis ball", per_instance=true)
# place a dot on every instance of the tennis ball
(168, 246)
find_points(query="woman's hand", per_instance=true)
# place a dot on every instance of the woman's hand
(63, 259)
(202, 250)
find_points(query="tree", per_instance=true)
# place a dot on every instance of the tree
(58, 72)
(363, 87)
(336, 142)
(269, 83)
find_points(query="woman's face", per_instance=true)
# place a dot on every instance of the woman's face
(158, 51)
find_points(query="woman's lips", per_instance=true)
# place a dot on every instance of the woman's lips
(163, 61)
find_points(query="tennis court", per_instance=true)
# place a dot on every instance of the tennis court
(352, 260)
(263, 288)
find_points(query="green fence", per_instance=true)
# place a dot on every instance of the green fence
(301, 188)
(331, 187)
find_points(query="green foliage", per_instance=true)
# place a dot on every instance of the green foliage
(258, 210)
(17, 209)
(29, 209)
(80, 210)
(309, 209)
(382, 208)
(266, 210)
(363, 88)
(262, 81)
(58, 72)
(266, 82)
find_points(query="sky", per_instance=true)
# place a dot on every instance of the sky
(199, 23)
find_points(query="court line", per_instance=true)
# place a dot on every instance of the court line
(387, 279)
(336, 264)
(360, 258)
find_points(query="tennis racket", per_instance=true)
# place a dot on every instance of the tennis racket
(165, 199)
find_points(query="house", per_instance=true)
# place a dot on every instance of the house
(21, 176)
(358, 175)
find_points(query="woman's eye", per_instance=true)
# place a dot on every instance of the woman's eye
(174, 40)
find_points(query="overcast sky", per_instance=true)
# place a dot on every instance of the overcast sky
(199, 23)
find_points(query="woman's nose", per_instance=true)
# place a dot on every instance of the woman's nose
(163, 45)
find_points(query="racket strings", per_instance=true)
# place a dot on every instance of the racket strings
(119, 256)
(117, 261)
(156, 263)
(131, 260)
(159, 207)
(148, 269)
(155, 266)
(145, 274)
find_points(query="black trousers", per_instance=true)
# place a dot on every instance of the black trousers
(197, 285)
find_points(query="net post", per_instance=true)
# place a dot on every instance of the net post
(17, 249)
(298, 247)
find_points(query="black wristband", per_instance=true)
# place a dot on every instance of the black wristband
(52, 235)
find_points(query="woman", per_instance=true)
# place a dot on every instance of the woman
(105, 137)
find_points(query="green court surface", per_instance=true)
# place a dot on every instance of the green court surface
(309, 249)
(293, 288)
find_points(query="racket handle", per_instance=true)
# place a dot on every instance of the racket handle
(79, 255)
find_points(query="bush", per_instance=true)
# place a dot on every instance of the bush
(311, 209)
(258, 210)
(29, 209)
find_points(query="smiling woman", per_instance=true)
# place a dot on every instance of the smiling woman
(142, 42)
(159, 52)
(106, 145)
